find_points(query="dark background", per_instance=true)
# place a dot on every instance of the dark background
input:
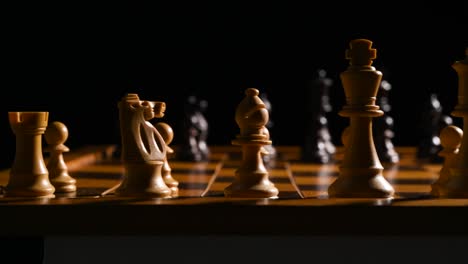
(76, 61)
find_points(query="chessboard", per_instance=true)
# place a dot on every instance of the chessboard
(302, 206)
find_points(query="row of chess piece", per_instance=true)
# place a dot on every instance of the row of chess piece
(453, 178)
(318, 146)
(361, 170)
(29, 175)
(144, 152)
(145, 146)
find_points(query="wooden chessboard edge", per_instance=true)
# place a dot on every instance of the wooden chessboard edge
(112, 219)
(88, 154)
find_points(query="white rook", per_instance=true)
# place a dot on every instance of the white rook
(29, 176)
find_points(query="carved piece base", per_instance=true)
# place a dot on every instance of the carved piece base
(174, 192)
(258, 186)
(361, 187)
(30, 191)
(40, 188)
(457, 185)
(143, 180)
(171, 183)
(64, 184)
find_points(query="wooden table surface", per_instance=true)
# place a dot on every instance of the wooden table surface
(302, 208)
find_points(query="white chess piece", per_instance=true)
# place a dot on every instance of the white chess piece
(361, 171)
(251, 178)
(168, 135)
(56, 134)
(457, 187)
(143, 149)
(450, 139)
(29, 176)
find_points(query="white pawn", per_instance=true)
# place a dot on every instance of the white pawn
(450, 139)
(457, 187)
(168, 135)
(55, 135)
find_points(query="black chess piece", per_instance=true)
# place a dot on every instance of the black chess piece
(432, 122)
(318, 146)
(271, 153)
(194, 145)
(383, 127)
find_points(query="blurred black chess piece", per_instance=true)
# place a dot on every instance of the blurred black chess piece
(270, 154)
(432, 122)
(318, 146)
(383, 127)
(194, 145)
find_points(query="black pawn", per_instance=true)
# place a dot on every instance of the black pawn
(432, 122)
(318, 146)
(194, 145)
(383, 127)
